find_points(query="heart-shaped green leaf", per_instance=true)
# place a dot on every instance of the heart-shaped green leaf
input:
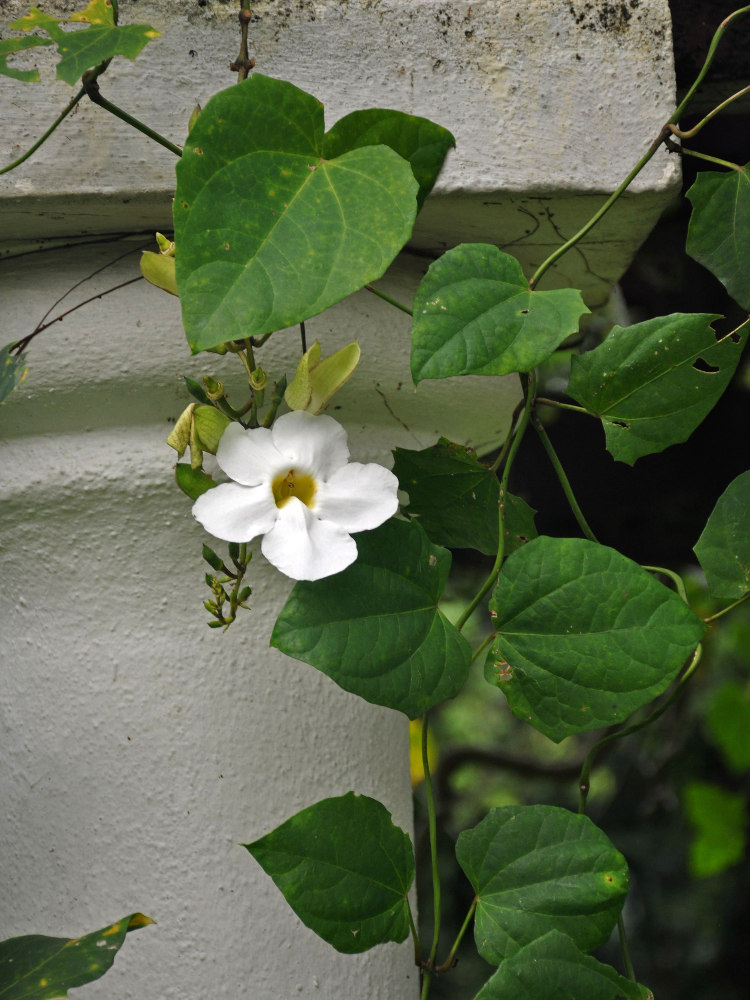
(540, 868)
(723, 549)
(269, 231)
(345, 869)
(35, 967)
(654, 382)
(719, 231)
(552, 968)
(456, 499)
(420, 141)
(585, 636)
(474, 314)
(376, 628)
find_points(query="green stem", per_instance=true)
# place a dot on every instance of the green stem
(584, 779)
(387, 298)
(712, 114)
(674, 118)
(60, 118)
(676, 579)
(707, 63)
(91, 88)
(483, 645)
(711, 159)
(564, 481)
(729, 607)
(629, 970)
(509, 439)
(448, 963)
(489, 582)
(432, 824)
(563, 406)
(414, 935)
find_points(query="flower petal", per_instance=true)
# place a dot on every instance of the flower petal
(316, 444)
(249, 456)
(236, 513)
(305, 548)
(357, 497)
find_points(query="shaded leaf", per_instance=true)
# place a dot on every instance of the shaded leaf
(36, 967)
(552, 968)
(418, 140)
(723, 548)
(585, 636)
(376, 628)
(12, 370)
(474, 314)
(270, 231)
(456, 499)
(540, 868)
(345, 869)
(83, 49)
(10, 45)
(719, 230)
(653, 383)
(720, 820)
(728, 724)
(192, 482)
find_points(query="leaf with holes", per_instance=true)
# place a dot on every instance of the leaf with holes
(270, 231)
(719, 231)
(36, 967)
(86, 48)
(345, 869)
(552, 968)
(376, 628)
(420, 141)
(9, 46)
(723, 549)
(474, 314)
(585, 636)
(456, 499)
(653, 383)
(540, 868)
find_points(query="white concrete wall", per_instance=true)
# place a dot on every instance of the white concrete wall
(139, 748)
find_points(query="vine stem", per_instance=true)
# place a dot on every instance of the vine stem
(689, 133)
(91, 88)
(729, 607)
(488, 583)
(448, 963)
(43, 138)
(432, 825)
(564, 481)
(584, 779)
(663, 134)
(387, 298)
(629, 970)
(710, 159)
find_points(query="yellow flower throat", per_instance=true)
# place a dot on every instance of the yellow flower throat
(293, 484)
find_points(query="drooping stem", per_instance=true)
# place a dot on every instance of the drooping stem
(43, 138)
(629, 970)
(564, 481)
(91, 87)
(679, 583)
(585, 776)
(689, 133)
(530, 385)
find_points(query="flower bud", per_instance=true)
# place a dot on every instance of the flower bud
(166, 246)
(158, 269)
(258, 379)
(214, 388)
(316, 381)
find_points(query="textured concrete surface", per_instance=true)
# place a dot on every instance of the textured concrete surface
(139, 748)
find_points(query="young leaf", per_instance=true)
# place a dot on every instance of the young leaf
(376, 628)
(540, 868)
(585, 636)
(36, 967)
(654, 382)
(456, 499)
(12, 371)
(345, 869)
(719, 231)
(723, 548)
(720, 821)
(474, 314)
(270, 231)
(420, 141)
(84, 49)
(728, 723)
(552, 968)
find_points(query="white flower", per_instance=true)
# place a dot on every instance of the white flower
(293, 484)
